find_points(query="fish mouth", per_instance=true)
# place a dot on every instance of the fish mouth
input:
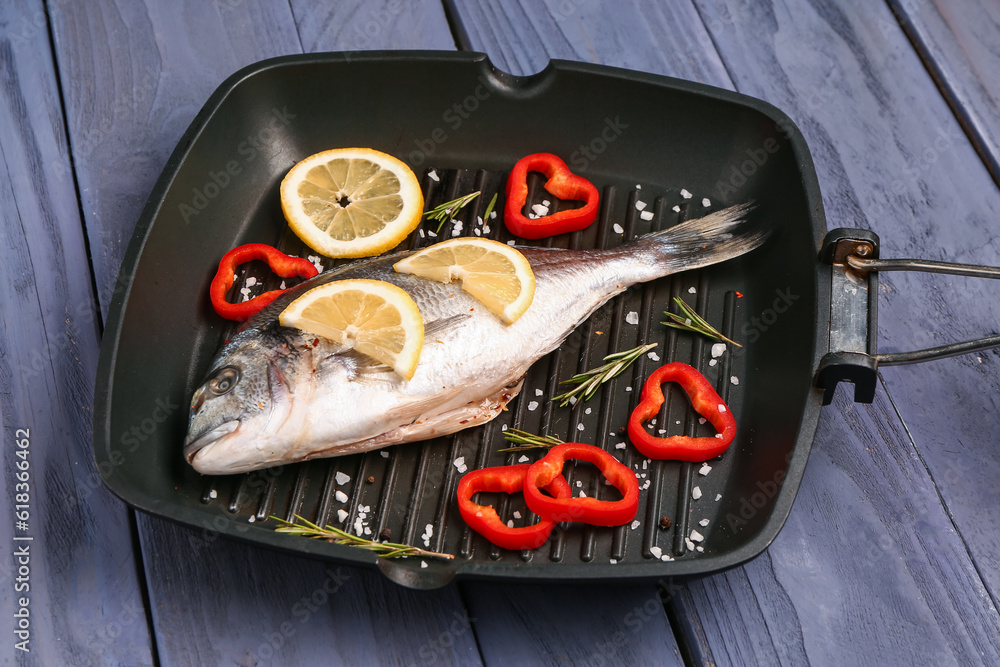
(192, 447)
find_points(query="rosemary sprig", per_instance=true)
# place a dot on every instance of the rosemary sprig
(489, 209)
(589, 381)
(447, 211)
(528, 441)
(692, 321)
(336, 535)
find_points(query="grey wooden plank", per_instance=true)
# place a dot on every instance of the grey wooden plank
(136, 74)
(529, 624)
(79, 552)
(357, 25)
(325, 613)
(958, 41)
(852, 90)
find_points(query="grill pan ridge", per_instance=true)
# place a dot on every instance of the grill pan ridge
(397, 492)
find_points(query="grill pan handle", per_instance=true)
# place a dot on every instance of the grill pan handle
(853, 255)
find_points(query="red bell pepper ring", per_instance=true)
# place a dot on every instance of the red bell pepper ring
(485, 520)
(283, 265)
(706, 402)
(562, 183)
(588, 510)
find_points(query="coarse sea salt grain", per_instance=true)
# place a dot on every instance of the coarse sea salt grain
(676, 209)
(686, 194)
(539, 209)
(511, 242)
(523, 459)
(359, 527)
(341, 516)
(621, 445)
(635, 524)
(579, 427)
(645, 485)
(656, 551)
(433, 175)
(640, 205)
(533, 405)
(342, 478)
(423, 563)
(702, 420)
(384, 454)
(213, 494)
(587, 411)
(722, 407)
(546, 202)
(282, 285)
(632, 317)
(478, 233)
(718, 349)
(735, 380)
(340, 496)
(692, 290)
(539, 392)
(712, 362)
(618, 228)
(510, 523)
(700, 549)
(613, 561)
(252, 519)
(421, 230)
(646, 215)
(368, 530)
(718, 497)
(460, 463)
(696, 492)
(503, 427)
(583, 495)
(486, 229)
(517, 515)
(638, 187)
(654, 356)
(704, 522)
(689, 544)
(431, 234)
(628, 388)
(251, 281)
(579, 484)
(706, 202)
(696, 536)
(705, 469)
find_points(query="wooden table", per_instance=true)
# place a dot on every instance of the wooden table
(890, 554)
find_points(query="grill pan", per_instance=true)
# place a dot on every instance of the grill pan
(639, 138)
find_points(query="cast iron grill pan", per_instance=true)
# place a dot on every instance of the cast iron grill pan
(398, 491)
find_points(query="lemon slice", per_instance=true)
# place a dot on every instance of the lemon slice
(351, 202)
(375, 318)
(495, 274)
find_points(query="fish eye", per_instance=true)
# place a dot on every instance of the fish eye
(224, 380)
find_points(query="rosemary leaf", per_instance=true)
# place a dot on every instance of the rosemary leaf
(305, 528)
(689, 320)
(589, 382)
(489, 209)
(447, 211)
(529, 440)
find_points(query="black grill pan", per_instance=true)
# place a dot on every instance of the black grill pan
(461, 124)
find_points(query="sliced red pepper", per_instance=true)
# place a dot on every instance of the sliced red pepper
(485, 520)
(706, 402)
(561, 183)
(588, 510)
(283, 265)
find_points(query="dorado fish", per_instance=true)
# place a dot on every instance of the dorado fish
(276, 395)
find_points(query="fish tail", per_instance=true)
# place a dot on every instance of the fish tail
(697, 243)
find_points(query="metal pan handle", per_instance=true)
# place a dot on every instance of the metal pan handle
(853, 257)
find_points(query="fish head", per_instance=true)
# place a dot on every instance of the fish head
(238, 412)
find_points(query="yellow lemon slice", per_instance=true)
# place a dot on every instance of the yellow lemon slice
(495, 274)
(375, 318)
(351, 202)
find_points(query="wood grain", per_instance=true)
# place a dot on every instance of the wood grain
(957, 41)
(359, 26)
(136, 74)
(854, 92)
(80, 555)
